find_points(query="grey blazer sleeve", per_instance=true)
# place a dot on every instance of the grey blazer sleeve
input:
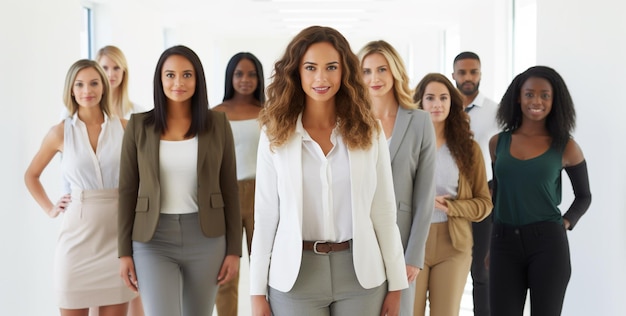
(423, 192)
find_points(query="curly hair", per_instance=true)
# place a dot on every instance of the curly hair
(457, 127)
(561, 120)
(401, 89)
(286, 98)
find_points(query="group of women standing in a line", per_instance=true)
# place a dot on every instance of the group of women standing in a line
(361, 183)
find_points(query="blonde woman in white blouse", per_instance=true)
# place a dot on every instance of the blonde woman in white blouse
(86, 264)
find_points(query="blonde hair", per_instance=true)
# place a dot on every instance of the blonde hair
(119, 98)
(285, 96)
(70, 78)
(401, 89)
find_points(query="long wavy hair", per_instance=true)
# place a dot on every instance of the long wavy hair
(401, 89)
(229, 90)
(120, 97)
(457, 127)
(199, 100)
(561, 120)
(70, 100)
(286, 98)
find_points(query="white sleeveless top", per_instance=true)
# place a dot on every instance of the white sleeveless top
(178, 176)
(246, 135)
(85, 169)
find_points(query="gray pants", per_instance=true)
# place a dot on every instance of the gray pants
(407, 300)
(177, 270)
(327, 285)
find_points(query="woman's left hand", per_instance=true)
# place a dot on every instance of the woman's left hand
(230, 268)
(391, 305)
(441, 202)
(412, 272)
(566, 223)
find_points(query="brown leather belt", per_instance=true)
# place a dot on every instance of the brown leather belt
(322, 247)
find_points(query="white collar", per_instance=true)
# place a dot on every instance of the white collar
(75, 119)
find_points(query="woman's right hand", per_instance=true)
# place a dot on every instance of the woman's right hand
(127, 273)
(60, 206)
(260, 306)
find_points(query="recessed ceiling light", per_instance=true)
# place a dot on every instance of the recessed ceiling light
(320, 19)
(330, 11)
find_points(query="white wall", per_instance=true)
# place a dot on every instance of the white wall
(484, 29)
(138, 32)
(584, 42)
(34, 61)
(40, 39)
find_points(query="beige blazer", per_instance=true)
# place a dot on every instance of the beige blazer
(139, 189)
(472, 204)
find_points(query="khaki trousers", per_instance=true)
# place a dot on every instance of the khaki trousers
(443, 278)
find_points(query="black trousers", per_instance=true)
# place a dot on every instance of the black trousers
(535, 257)
(481, 232)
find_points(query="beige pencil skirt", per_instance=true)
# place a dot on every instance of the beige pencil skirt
(86, 266)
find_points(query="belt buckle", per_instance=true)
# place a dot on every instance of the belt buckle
(321, 253)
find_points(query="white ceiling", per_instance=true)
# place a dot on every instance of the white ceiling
(279, 17)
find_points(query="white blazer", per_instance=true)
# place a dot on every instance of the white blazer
(277, 242)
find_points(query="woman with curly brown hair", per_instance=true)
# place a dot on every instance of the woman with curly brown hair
(326, 239)
(461, 196)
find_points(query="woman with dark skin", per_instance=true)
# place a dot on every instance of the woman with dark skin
(529, 246)
(244, 95)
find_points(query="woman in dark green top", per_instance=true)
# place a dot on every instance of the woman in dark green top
(529, 247)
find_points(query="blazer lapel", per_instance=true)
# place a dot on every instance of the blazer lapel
(399, 129)
(293, 164)
(355, 158)
(154, 142)
(203, 148)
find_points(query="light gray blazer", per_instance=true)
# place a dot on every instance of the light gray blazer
(412, 151)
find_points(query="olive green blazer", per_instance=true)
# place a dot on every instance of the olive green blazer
(139, 188)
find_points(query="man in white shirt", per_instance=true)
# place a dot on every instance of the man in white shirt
(482, 112)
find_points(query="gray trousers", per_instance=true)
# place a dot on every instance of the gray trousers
(177, 270)
(327, 285)
(407, 300)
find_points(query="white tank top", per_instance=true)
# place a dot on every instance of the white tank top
(85, 169)
(246, 134)
(178, 176)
